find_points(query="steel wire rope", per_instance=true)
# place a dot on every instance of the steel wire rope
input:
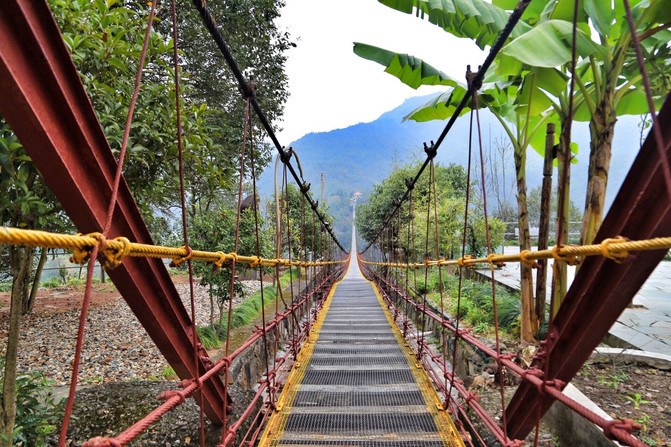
(295, 327)
(474, 85)
(245, 88)
(411, 240)
(108, 223)
(425, 291)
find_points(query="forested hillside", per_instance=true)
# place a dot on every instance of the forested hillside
(356, 157)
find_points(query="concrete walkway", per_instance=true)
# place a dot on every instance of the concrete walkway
(647, 326)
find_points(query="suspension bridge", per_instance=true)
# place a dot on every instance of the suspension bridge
(347, 360)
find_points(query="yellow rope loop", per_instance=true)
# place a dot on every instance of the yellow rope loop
(219, 263)
(427, 262)
(81, 255)
(176, 262)
(461, 261)
(492, 261)
(524, 258)
(256, 262)
(612, 252)
(567, 258)
(233, 256)
(114, 259)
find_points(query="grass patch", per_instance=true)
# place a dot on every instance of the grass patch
(208, 337)
(169, 374)
(244, 312)
(477, 308)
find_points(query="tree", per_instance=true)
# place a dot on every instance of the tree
(104, 38)
(607, 75)
(259, 47)
(450, 200)
(534, 202)
(212, 231)
(301, 229)
(26, 203)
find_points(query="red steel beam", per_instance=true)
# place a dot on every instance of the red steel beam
(602, 288)
(43, 100)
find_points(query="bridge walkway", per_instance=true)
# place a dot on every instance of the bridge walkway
(356, 381)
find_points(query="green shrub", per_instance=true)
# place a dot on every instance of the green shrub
(53, 282)
(76, 282)
(6, 287)
(36, 409)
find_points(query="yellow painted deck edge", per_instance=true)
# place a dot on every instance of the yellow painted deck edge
(446, 428)
(278, 421)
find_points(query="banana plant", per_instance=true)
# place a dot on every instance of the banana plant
(605, 73)
(608, 77)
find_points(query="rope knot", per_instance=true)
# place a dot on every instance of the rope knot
(491, 258)
(613, 253)
(114, 259)
(219, 263)
(226, 362)
(82, 254)
(169, 394)
(256, 262)
(568, 258)
(472, 396)
(176, 262)
(524, 257)
(462, 261)
(99, 441)
(623, 424)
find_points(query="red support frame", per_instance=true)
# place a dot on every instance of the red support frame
(44, 101)
(602, 288)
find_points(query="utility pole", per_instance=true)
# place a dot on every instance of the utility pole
(323, 202)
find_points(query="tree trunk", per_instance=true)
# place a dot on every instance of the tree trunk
(529, 323)
(544, 224)
(559, 269)
(29, 304)
(602, 127)
(21, 270)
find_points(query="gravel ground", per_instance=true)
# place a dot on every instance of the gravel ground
(108, 409)
(116, 347)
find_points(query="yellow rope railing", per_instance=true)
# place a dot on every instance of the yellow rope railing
(115, 250)
(616, 249)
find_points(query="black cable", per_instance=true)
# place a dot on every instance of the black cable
(248, 92)
(474, 83)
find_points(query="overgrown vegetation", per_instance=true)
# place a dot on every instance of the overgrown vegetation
(104, 39)
(451, 202)
(243, 313)
(476, 306)
(36, 409)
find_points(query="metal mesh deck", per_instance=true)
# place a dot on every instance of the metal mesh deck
(359, 387)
